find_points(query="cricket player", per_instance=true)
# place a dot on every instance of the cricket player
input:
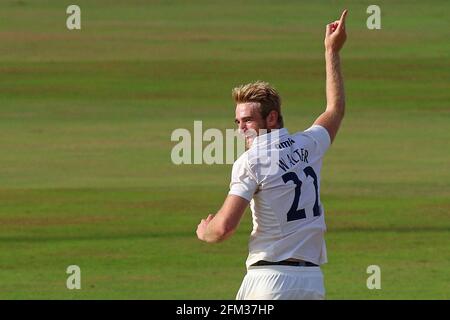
(286, 246)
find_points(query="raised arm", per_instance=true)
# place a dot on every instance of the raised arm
(335, 37)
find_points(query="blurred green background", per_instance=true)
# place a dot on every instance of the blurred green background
(85, 123)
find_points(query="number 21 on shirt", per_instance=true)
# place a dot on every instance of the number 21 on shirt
(294, 213)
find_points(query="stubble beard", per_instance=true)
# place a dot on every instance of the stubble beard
(249, 139)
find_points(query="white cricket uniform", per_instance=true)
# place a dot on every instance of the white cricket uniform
(280, 176)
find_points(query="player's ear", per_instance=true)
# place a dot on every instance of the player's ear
(272, 119)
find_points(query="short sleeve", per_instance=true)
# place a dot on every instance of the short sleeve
(321, 136)
(243, 182)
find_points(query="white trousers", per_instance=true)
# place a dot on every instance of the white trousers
(282, 283)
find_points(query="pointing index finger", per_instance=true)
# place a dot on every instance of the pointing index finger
(342, 19)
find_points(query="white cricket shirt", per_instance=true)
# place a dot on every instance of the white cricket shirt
(280, 176)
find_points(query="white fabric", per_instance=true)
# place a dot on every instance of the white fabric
(258, 176)
(282, 283)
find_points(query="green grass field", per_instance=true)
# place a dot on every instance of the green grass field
(86, 116)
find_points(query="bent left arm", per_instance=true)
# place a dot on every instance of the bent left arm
(222, 225)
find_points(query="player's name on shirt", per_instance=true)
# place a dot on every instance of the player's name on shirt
(289, 160)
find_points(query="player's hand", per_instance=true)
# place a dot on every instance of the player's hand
(335, 35)
(201, 228)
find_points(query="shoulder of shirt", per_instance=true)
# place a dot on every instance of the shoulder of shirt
(243, 158)
(308, 130)
(249, 159)
(299, 134)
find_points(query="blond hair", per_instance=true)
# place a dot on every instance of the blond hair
(261, 92)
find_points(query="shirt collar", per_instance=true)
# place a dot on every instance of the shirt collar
(273, 135)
